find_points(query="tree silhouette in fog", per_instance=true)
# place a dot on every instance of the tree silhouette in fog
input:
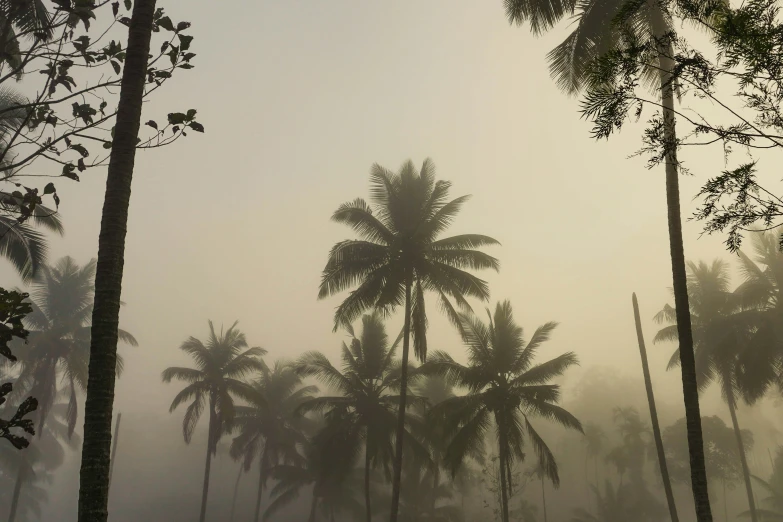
(720, 332)
(595, 443)
(368, 385)
(505, 386)
(772, 504)
(269, 429)
(399, 257)
(614, 505)
(329, 476)
(221, 364)
(600, 26)
(59, 342)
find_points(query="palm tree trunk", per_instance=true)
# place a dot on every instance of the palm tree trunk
(725, 505)
(17, 492)
(667, 485)
(395, 505)
(543, 496)
(236, 491)
(743, 459)
(94, 476)
(208, 465)
(313, 505)
(502, 454)
(260, 490)
(690, 389)
(367, 483)
(114, 447)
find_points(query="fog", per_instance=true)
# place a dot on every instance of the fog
(300, 99)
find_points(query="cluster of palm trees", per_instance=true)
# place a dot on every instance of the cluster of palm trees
(379, 407)
(51, 366)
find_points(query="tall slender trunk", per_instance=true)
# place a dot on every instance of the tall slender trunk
(743, 459)
(690, 389)
(313, 505)
(234, 497)
(667, 485)
(94, 476)
(114, 447)
(725, 505)
(367, 506)
(396, 483)
(207, 467)
(259, 494)
(17, 493)
(503, 464)
(543, 496)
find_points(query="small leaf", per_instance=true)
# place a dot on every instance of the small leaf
(125, 21)
(49, 189)
(182, 26)
(115, 8)
(191, 114)
(107, 144)
(116, 66)
(196, 126)
(128, 5)
(188, 56)
(68, 171)
(152, 124)
(184, 42)
(80, 165)
(176, 118)
(81, 149)
(164, 47)
(185, 66)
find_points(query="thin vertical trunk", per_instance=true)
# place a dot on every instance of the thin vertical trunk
(690, 389)
(260, 492)
(725, 506)
(543, 496)
(667, 485)
(17, 492)
(395, 505)
(210, 444)
(114, 447)
(313, 505)
(94, 476)
(236, 491)
(503, 464)
(743, 459)
(367, 506)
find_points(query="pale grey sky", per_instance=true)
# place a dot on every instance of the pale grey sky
(299, 99)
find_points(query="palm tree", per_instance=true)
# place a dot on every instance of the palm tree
(773, 503)
(59, 340)
(399, 258)
(221, 363)
(368, 388)
(667, 485)
(324, 472)
(94, 475)
(270, 430)
(720, 334)
(505, 386)
(424, 500)
(22, 19)
(594, 35)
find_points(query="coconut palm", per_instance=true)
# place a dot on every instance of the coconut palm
(398, 258)
(94, 473)
(594, 441)
(327, 474)
(221, 364)
(59, 342)
(22, 19)
(720, 333)
(270, 430)
(368, 387)
(772, 510)
(424, 500)
(594, 34)
(506, 387)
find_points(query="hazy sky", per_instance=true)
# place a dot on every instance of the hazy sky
(299, 99)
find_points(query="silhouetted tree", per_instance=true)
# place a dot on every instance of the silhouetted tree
(505, 386)
(59, 342)
(368, 387)
(720, 335)
(596, 34)
(399, 258)
(270, 430)
(221, 363)
(772, 510)
(614, 505)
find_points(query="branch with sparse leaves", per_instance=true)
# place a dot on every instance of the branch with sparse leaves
(737, 81)
(75, 71)
(14, 306)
